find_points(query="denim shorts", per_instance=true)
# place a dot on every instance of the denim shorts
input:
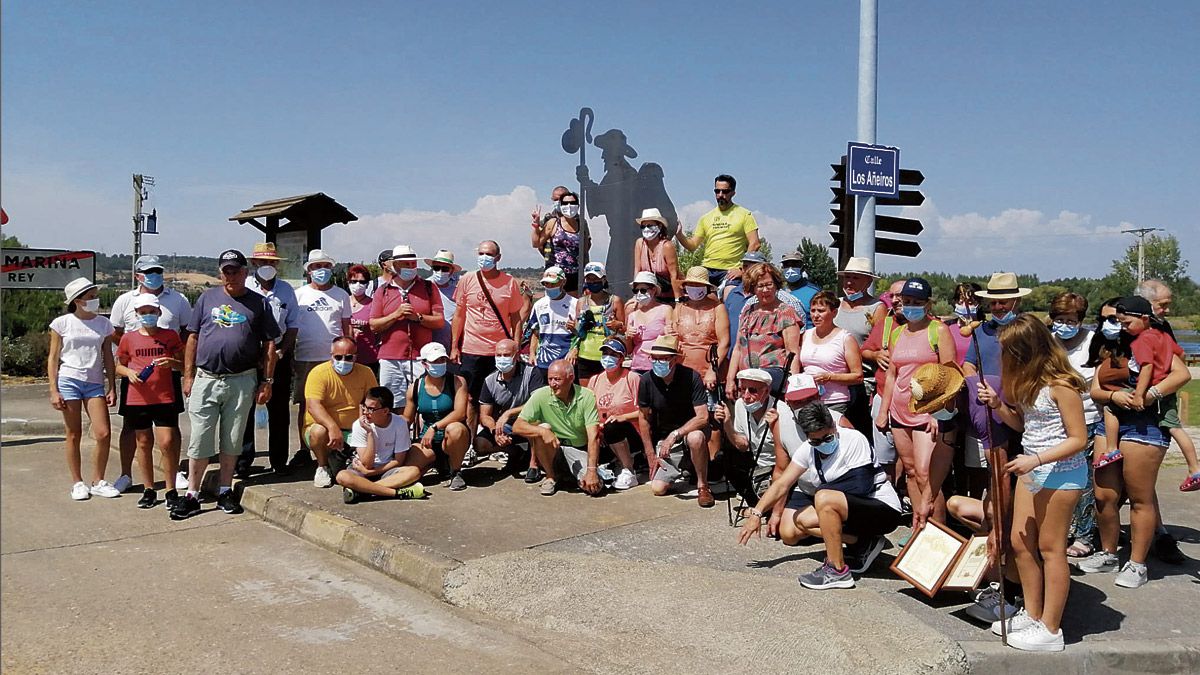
(1145, 430)
(78, 390)
(1071, 479)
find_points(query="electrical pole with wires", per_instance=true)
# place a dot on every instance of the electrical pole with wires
(1141, 233)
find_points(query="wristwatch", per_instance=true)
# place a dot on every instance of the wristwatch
(267, 380)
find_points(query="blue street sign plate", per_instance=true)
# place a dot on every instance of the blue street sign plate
(874, 170)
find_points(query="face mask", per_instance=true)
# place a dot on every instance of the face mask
(827, 448)
(854, 297)
(504, 363)
(570, 210)
(153, 280)
(358, 288)
(92, 305)
(965, 311)
(441, 278)
(1064, 331)
(148, 320)
(594, 286)
(1004, 319)
(793, 275)
(321, 276)
(265, 272)
(1110, 330)
(436, 369)
(661, 368)
(696, 292)
(649, 233)
(554, 292)
(943, 415)
(487, 262)
(754, 407)
(343, 367)
(913, 313)
(642, 297)
(609, 361)
(407, 273)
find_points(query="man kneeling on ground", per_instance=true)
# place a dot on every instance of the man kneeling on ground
(503, 395)
(332, 391)
(560, 421)
(674, 399)
(382, 458)
(841, 495)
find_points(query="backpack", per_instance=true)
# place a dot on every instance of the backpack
(891, 333)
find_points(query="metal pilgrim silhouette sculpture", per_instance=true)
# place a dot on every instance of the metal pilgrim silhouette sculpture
(620, 196)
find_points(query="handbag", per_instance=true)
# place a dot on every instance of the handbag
(488, 294)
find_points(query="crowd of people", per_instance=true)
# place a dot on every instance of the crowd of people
(833, 415)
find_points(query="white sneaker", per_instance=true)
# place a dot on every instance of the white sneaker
(80, 492)
(1036, 638)
(103, 489)
(625, 480)
(321, 478)
(1016, 622)
(181, 481)
(471, 458)
(1132, 575)
(122, 484)
(1100, 561)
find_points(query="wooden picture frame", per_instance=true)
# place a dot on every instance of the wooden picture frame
(968, 570)
(928, 557)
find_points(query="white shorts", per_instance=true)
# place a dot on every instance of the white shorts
(397, 375)
(885, 447)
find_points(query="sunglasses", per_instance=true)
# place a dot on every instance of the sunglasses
(343, 357)
(440, 268)
(722, 191)
(369, 409)
(822, 440)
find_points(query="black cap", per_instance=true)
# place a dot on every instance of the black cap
(918, 288)
(385, 255)
(231, 257)
(1135, 305)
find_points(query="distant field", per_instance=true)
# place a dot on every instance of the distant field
(1193, 413)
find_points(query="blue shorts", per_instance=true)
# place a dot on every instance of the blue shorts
(1071, 479)
(78, 390)
(1143, 429)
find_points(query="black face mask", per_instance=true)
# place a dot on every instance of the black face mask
(594, 286)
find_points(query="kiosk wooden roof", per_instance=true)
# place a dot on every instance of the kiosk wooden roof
(309, 213)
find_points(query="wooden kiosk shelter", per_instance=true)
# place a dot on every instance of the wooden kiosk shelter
(294, 225)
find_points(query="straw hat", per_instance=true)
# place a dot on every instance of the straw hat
(862, 266)
(444, 257)
(652, 216)
(697, 275)
(265, 250)
(404, 253)
(316, 256)
(665, 345)
(76, 288)
(1002, 286)
(933, 385)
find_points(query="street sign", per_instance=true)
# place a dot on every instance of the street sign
(906, 198)
(898, 247)
(45, 268)
(844, 210)
(874, 170)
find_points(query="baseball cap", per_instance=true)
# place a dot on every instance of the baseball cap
(432, 352)
(145, 300)
(148, 262)
(1135, 305)
(615, 345)
(918, 288)
(594, 269)
(385, 255)
(232, 257)
(799, 387)
(753, 257)
(553, 275)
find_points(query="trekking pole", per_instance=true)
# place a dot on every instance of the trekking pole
(996, 488)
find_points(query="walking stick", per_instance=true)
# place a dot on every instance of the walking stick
(996, 489)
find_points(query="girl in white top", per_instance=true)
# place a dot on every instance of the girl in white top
(830, 354)
(1048, 408)
(80, 366)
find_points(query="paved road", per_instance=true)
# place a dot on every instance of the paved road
(101, 586)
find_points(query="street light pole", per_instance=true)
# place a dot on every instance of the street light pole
(868, 59)
(1141, 233)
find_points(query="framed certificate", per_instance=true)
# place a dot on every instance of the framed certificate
(970, 567)
(928, 558)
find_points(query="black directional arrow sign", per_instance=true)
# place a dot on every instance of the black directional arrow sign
(910, 249)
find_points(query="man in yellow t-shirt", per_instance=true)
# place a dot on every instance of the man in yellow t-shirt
(727, 232)
(332, 393)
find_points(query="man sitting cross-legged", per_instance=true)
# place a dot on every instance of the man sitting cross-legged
(382, 458)
(562, 424)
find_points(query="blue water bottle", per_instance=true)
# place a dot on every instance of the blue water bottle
(260, 417)
(146, 372)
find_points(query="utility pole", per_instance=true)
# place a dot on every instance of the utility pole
(1141, 233)
(140, 193)
(868, 58)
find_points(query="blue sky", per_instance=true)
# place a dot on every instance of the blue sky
(1041, 128)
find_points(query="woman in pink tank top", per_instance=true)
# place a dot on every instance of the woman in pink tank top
(655, 252)
(830, 354)
(926, 457)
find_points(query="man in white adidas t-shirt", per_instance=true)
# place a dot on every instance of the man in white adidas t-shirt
(324, 314)
(381, 459)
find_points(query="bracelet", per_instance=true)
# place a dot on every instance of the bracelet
(1039, 458)
(1154, 393)
(756, 513)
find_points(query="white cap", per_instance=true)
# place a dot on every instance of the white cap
(553, 275)
(432, 352)
(318, 255)
(146, 300)
(644, 277)
(594, 268)
(754, 375)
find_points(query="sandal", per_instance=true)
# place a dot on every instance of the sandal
(1108, 458)
(1079, 548)
(1191, 483)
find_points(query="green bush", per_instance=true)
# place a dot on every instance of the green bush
(25, 355)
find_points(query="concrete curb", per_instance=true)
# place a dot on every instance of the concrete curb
(16, 426)
(1102, 656)
(410, 563)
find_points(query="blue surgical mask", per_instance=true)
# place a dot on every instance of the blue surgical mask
(505, 363)
(609, 361)
(1110, 330)
(753, 407)
(343, 367)
(148, 320)
(486, 262)
(1064, 331)
(594, 286)
(436, 369)
(1004, 319)
(321, 275)
(827, 448)
(554, 292)
(407, 273)
(152, 280)
(914, 313)
(661, 368)
(854, 297)
(793, 275)
(943, 415)
(440, 277)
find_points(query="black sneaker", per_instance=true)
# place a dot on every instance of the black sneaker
(301, 460)
(244, 466)
(349, 496)
(862, 553)
(228, 502)
(532, 475)
(172, 499)
(1167, 550)
(185, 508)
(148, 500)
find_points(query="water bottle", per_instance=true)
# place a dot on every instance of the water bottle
(146, 372)
(260, 417)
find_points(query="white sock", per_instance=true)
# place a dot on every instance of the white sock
(195, 494)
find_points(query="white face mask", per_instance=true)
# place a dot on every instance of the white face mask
(650, 233)
(696, 292)
(358, 288)
(440, 277)
(570, 210)
(265, 272)
(642, 298)
(92, 305)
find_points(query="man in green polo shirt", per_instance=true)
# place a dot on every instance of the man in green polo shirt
(562, 425)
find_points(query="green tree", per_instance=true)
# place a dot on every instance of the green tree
(1163, 261)
(817, 262)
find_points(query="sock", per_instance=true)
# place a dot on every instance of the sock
(194, 494)
(222, 490)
